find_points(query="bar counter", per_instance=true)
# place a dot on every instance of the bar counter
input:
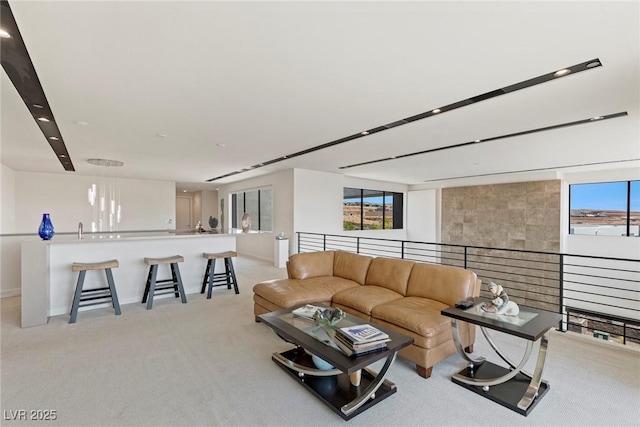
(48, 283)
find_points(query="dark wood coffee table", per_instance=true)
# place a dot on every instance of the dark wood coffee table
(350, 387)
(510, 386)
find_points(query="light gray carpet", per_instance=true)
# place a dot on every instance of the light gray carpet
(207, 363)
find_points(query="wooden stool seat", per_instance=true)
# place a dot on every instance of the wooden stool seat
(97, 295)
(228, 254)
(169, 286)
(213, 279)
(167, 260)
(81, 266)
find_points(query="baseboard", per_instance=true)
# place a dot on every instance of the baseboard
(8, 293)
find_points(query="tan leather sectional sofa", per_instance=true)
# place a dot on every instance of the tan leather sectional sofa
(401, 295)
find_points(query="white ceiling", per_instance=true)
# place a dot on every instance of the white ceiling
(268, 79)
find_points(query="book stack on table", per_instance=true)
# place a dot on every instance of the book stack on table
(360, 339)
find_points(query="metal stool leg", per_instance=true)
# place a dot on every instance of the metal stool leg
(176, 270)
(176, 291)
(152, 285)
(76, 297)
(146, 287)
(233, 275)
(210, 280)
(112, 291)
(207, 271)
(226, 272)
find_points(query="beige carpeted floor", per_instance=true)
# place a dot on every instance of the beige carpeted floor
(207, 363)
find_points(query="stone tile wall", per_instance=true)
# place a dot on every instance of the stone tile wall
(524, 215)
(518, 216)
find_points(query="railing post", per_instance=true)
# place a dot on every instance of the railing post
(324, 242)
(561, 291)
(465, 256)
(357, 245)
(298, 233)
(402, 250)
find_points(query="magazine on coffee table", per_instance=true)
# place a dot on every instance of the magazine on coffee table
(360, 334)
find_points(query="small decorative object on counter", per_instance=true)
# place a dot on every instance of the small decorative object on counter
(281, 236)
(246, 222)
(199, 227)
(46, 231)
(213, 222)
(500, 303)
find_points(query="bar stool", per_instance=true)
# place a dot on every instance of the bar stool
(102, 294)
(214, 279)
(174, 284)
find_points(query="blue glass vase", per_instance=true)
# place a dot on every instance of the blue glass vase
(46, 228)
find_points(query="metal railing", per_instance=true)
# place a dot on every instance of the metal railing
(595, 295)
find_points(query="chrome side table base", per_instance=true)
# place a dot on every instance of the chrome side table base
(512, 386)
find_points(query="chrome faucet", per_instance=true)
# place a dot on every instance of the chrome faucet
(79, 230)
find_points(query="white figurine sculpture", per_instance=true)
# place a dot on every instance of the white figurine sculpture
(500, 303)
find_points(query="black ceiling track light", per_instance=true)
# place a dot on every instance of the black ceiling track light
(20, 70)
(493, 138)
(584, 66)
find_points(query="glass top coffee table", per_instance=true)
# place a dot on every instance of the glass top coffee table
(510, 386)
(350, 387)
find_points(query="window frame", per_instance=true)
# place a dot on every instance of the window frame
(255, 222)
(627, 226)
(397, 208)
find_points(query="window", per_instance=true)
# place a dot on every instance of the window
(605, 208)
(371, 209)
(257, 203)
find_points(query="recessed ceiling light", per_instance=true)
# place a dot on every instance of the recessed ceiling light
(54, 138)
(4, 34)
(105, 162)
(436, 111)
(62, 155)
(37, 106)
(477, 140)
(43, 119)
(261, 164)
(161, 135)
(593, 64)
(284, 157)
(81, 123)
(562, 72)
(221, 145)
(364, 133)
(393, 157)
(597, 118)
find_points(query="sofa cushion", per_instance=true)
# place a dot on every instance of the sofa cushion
(389, 273)
(287, 293)
(418, 315)
(364, 298)
(351, 266)
(443, 283)
(312, 264)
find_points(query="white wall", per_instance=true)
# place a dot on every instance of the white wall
(318, 198)
(261, 245)
(209, 206)
(422, 216)
(146, 205)
(7, 199)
